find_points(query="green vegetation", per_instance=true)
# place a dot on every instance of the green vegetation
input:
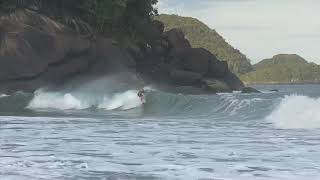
(128, 15)
(283, 68)
(200, 35)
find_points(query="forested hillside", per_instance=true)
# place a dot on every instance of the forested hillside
(284, 68)
(200, 35)
(129, 15)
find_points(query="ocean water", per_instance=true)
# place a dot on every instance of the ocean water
(76, 135)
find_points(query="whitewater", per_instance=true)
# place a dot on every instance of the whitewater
(87, 134)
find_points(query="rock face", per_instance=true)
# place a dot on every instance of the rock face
(182, 77)
(181, 64)
(36, 51)
(27, 49)
(217, 86)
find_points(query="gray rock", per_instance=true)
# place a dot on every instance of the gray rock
(232, 81)
(194, 59)
(216, 86)
(176, 40)
(185, 77)
(28, 49)
(249, 90)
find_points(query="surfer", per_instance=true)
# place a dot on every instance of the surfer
(141, 95)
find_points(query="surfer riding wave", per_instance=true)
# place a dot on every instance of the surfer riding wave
(141, 95)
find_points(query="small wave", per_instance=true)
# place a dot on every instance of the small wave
(232, 104)
(297, 112)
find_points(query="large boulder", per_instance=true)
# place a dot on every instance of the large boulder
(214, 85)
(158, 26)
(201, 61)
(249, 90)
(30, 43)
(112, 54)
(153, 33)
(232, 81)
(135, 50)
(177, 41)
(197, 60)
(36, 51)
(185, 77)
(218, 68)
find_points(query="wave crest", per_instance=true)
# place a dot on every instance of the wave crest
(3, 95)
(76, 101)
(124, 101)
(60, 101)
(297, 112)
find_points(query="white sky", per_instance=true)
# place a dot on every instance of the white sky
(258, 28)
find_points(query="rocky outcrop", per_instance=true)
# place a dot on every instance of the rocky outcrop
(36, 51)
(30, 43)
(182, 77)
(180, 64)
(249, 90)
(216, 86)
(176, 41)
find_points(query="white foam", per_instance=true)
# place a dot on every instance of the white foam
(68, 101)
(297, 112)
(3, 95)
(232, 104)
(60, 101)
(124, 101)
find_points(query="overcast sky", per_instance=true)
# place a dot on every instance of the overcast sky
(258, 28)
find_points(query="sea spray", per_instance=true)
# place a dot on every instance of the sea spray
(3, 95)
(296, 112)
(56, 100)
(124, 101)
(78, 101)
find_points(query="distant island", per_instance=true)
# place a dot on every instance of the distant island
(283, 68)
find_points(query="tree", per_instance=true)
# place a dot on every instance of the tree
(126, 14)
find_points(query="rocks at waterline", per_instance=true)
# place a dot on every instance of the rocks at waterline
(249, 90)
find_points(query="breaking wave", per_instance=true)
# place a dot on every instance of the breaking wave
(60, 101)
(79, 101)
(291, 111)
(3, 95)
(124, 101)
(297, 112)
(158, 103)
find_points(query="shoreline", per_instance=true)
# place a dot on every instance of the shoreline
(302, 83)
